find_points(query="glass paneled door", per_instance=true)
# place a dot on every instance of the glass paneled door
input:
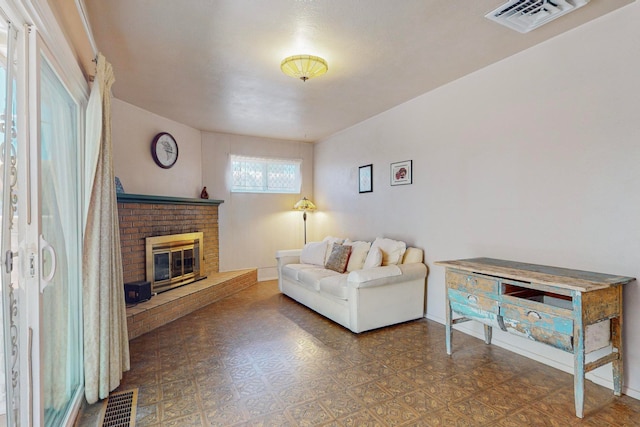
(58, 384)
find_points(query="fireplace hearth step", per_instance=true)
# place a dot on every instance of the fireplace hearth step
(175, 303)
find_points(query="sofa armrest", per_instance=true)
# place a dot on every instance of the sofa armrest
(386, 275)
(289, 256)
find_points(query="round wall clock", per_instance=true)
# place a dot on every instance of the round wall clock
(164, 150)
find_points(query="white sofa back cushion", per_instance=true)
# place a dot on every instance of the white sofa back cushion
(314, 253)
(392, 250)
(374, 259)
(359, 251)
(413, 255)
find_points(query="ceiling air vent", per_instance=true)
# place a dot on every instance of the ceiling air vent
(525, 15)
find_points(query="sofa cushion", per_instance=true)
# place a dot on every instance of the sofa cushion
(338, 258)
(314, 253)
(311, 277)
(335, 286)
(330, 240)
(292, 270)
(359, 251)
(392, 250)
(374, 258)
(412, 255)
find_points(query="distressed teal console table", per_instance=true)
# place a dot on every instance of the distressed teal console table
(575, 311)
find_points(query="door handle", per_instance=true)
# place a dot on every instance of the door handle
(46, 280)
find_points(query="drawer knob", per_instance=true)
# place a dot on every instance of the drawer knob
(534, 315)
(472, 299)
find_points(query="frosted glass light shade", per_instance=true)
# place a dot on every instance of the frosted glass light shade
(304, 67)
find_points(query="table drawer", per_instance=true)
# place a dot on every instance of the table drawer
(473, 306)
(546, 336)
(472, 283)
(538, 325)
(537, 318)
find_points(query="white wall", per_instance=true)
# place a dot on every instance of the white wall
(254, 226)
(133, 130)
(532, 159)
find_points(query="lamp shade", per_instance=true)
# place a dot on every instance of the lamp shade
(304, 67)
(304, 204)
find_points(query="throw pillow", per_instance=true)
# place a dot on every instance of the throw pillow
(338, 258)
(359, 251)
(330, 240)
(374, 258)
(313, 253)
(392, 250)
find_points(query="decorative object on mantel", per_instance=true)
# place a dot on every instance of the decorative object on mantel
(119, 187)
(304, 205)
(365, 179)
(304, 67)
(402, 172)
(204, 194)
(164, 150)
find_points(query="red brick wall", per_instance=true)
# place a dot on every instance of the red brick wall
(141, 220)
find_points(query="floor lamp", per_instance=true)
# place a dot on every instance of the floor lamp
(304, 205)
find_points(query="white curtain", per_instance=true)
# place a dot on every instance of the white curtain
(106, 342)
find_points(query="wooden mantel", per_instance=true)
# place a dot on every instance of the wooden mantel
(165, 200)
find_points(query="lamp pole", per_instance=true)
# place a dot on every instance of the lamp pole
(304, 218)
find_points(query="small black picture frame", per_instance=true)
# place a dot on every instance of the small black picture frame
(365, 179)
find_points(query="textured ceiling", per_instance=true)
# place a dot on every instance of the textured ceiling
(215, 64)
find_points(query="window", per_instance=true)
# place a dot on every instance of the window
(265, 175)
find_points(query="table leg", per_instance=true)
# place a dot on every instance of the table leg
(578, 356)
(616, 343)
(448, 331)
(488, 330)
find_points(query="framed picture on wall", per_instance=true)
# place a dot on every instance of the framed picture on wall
(401, 173)
(365, 179)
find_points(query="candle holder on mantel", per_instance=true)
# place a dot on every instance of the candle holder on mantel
(204, 194)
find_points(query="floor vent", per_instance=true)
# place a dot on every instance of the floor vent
(119, 409)
(525, 15)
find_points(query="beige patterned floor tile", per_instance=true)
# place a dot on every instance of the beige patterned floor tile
(370, 393)
(394, 412)
(177, 389)
(423, 402)
(227, 414)
(530, 417)
(278, 419)
(446, 418)
(479, 412)
(396, 385)
(192, 420)
(309, 414)
(340, 404)
(178, 407)
(352, 376)
(364, 418)
(262, 404)
(147, 415)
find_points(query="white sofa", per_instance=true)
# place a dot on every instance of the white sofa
(384, 283)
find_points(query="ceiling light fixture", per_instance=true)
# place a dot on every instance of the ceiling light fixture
(304, 67)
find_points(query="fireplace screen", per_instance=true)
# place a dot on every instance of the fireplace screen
(173, 260)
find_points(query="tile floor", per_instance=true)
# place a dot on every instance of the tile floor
(258, 358)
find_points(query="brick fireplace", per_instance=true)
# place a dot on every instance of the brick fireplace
(147, 216)
(143, 216)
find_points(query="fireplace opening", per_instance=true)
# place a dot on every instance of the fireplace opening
(174, 260)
